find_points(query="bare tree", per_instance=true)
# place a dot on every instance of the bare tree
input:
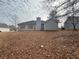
(68, 5)
(15, 20)
(10, 9)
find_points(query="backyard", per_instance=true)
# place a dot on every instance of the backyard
(39, 45)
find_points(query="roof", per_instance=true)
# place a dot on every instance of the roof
(2, 25)
(70, 19)
(30, 23)
(52, 20)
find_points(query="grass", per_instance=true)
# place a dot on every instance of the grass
(39, 45)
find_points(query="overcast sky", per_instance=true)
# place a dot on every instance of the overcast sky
(24, 10)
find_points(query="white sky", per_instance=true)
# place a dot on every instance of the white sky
(24, 11)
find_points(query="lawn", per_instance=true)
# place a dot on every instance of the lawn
(39, 45)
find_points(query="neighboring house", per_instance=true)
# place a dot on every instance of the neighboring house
(12, 28)
(4, 27)
(69, 23)
(51, 25)
(32, 25)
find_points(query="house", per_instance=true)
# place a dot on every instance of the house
(32, 25)
(4, 27)
(13, 28)
(70, 23)
(51, 25)
(39, 25)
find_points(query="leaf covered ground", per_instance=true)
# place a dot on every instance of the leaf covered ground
(39, 45)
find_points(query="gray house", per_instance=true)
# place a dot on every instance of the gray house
(32, 25)
(70, 23)
(39, 25)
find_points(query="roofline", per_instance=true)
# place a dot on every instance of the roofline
(25, 22)
(28, 21)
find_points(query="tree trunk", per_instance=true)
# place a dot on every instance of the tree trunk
(74, 26)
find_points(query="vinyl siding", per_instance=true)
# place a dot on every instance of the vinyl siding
(51, 26)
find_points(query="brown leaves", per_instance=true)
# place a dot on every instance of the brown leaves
(40, 45)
